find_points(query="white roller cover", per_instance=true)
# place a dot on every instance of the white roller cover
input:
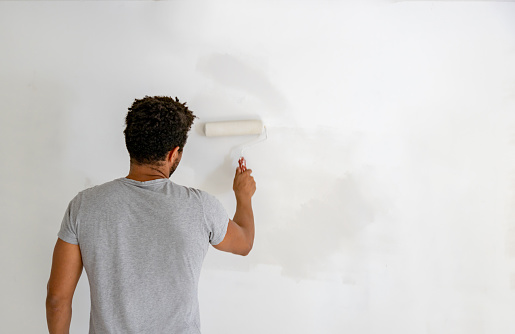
(233, 128)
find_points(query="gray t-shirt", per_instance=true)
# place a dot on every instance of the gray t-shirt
(142, 246)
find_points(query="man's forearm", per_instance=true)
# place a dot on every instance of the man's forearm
(244, 217)
(59, 316)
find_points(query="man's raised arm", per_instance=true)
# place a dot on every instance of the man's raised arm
(240, 231)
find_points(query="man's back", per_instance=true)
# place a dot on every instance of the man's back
(142, 245)
(142, 238)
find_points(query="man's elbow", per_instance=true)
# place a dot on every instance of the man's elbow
(55, 302)
(245, 251)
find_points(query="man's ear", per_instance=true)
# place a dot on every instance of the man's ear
(173, 154)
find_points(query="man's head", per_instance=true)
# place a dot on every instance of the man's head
(155, 126)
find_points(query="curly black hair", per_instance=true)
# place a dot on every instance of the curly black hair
(155, 126)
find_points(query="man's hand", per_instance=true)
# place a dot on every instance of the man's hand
(244, 185)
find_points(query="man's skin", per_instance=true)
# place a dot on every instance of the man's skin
(67, 260)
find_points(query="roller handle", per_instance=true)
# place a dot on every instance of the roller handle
(243, 164)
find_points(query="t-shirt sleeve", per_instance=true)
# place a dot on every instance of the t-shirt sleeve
(216, 218)
(68, 231)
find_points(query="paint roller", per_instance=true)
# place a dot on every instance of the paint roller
(237, 128)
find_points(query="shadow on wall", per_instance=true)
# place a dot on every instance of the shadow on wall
(231, 72)
(220, 180)
(331, 224)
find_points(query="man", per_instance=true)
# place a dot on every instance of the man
(142, 238)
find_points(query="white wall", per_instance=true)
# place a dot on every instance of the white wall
(385, 199)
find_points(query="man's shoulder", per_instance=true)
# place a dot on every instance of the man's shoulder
(107, 186)
(97, 190)
(188, 192)
(201, 196)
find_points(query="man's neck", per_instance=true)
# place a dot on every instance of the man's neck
(144, 173)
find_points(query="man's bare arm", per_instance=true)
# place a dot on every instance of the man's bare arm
(66, 271)
(239, 238)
